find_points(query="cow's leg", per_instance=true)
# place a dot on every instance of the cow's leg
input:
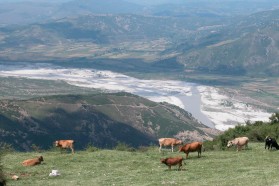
(169, 167)
(73, 151)
(160, 148)
(171, 148)
(239, 147)
(186, 155)
(180, 165)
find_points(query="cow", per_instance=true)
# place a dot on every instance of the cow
(65, 144)
(191, 147)
(33, 162)
(271, 142)
(169, 142)
(173, 161)
(239, 142)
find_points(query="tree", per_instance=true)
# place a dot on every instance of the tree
(274, 118)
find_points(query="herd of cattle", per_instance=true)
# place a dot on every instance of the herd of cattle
(165, 142)
(239, 142)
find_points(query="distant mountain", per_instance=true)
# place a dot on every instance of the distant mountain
(244, 45)
(247, 46)
(22, 12)
(101, 7)
(109, 27)
(102, 120)
(97, 34)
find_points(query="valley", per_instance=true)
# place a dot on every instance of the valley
(216, 107)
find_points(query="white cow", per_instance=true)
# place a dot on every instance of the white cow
(239, 142)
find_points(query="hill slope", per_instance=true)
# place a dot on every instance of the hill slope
(100, 119)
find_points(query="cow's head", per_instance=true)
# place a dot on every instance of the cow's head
(56, 143)
(163, 160)
(230, 143)
(40, 158)
(180, 148)
(268, 138)
(179, 142)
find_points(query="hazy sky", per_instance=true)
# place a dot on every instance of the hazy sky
(12, 1)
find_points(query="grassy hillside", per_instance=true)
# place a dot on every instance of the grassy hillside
(255, 166)
(100, 119)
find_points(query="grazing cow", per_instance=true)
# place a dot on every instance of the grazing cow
(239, 142)
(65, 144)
(271, 142)
(32, 162)
(173, 161)
(169, 142)
(191, 147)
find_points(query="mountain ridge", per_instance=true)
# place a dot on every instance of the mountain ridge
(100, 119)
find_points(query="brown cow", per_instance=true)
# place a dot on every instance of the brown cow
(191, 147)
(32, 162)
(239, 142)
(173, 161)
(65, 144)
(169, 142)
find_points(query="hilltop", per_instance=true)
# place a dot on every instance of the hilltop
(100, 119)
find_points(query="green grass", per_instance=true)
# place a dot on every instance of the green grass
(255, 166)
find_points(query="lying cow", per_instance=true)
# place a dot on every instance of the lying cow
(65, 144)
(270, 143)
(173, 161)
(191, 147)
(32, 162)
(239, 142)
(169, 142)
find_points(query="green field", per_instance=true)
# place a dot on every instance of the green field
(255, 166)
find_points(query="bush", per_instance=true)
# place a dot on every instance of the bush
(5, 147)
(91, 148)
(36, 148)
(256, 132)
(123, 147)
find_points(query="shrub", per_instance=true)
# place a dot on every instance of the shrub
(36, 148)
(5, 147)
(256, 132)
(91, 148)
(274, 118)
(123, 147)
